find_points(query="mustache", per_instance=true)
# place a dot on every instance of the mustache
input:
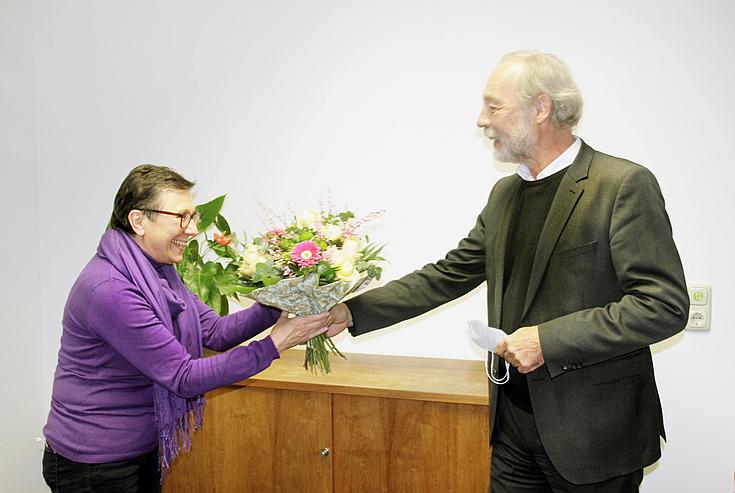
(489, 134)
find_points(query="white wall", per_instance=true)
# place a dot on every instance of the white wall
(22, 364)
(376, 102)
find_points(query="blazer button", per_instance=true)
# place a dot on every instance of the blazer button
(564, 367)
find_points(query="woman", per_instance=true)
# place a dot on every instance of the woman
(130, 374)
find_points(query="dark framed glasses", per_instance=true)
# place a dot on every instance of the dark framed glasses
(184, 217)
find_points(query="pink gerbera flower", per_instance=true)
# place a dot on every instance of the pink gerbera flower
(306, 253)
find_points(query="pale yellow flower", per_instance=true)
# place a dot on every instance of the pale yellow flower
(332, 232)
(346, 271)
(307, 219)
(351, 246)
(251, 257)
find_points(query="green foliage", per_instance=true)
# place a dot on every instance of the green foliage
(326, 273)
(266, 273)
(207, 266)
(287, 244)
(370, 255)
(210, 212)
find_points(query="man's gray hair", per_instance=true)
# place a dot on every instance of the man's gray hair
(543, 73)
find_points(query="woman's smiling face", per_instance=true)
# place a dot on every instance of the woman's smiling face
(161, 236)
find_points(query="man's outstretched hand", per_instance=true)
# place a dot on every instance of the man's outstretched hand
(339, 319)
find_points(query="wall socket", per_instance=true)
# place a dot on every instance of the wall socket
(700, 306)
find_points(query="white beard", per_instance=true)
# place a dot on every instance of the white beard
(514, 148)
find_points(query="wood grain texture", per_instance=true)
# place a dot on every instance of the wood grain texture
(398, 445)
(258, 440)
(424, 379)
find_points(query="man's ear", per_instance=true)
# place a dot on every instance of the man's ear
(135, 218)
(544, 105)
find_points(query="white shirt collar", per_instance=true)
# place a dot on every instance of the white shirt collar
(562, 161)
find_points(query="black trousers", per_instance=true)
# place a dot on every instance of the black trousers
(520, 464)
(138, 475)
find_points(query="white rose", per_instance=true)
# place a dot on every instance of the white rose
(351, 246)
(331, 232)
(346, 271)
(307, 219)
(251, 257)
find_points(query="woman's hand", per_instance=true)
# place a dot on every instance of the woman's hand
(288, 332)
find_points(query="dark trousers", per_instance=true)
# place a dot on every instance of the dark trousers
(520, 464)
(138, 475)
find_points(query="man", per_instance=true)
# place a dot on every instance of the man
(583, 275)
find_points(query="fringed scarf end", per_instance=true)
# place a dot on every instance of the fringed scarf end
(172, 437)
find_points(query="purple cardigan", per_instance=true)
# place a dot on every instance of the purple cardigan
(113, 348)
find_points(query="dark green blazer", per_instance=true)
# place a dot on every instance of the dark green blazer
(606, 283)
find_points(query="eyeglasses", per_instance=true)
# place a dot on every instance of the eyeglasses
(185, 218)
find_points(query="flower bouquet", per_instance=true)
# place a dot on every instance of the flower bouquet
(307, 265)
(304, 265)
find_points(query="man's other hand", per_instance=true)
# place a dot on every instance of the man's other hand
(522, 349)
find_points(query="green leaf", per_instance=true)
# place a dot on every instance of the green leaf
(192, 280)
(222, 224)
(372, 253)
(184, 269)
(306, 235)
(191, 252)
(225, 306)
(326, 273)
(374, 271)
(209, 212)
(181, 268)
(327, 278)
(224, 251)
(226, 281)
(232, 253)
(261, 270)
(346, 216)
(204, 281)
(287, 244)
(244, 289)
(220, 250)
(203, 286)
(215, 301)
(268, 281)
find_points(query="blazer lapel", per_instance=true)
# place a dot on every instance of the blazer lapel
(566, 198)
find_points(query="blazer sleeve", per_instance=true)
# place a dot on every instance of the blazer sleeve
(654, 304)
(460, 271)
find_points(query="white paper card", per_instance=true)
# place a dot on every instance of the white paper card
(484, 336)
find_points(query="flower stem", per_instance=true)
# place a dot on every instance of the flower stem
(317, 354)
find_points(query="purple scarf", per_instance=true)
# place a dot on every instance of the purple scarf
(168, 298)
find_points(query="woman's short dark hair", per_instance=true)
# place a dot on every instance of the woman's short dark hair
(140, 190)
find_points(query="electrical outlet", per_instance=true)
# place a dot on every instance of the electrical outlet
(700, 306)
